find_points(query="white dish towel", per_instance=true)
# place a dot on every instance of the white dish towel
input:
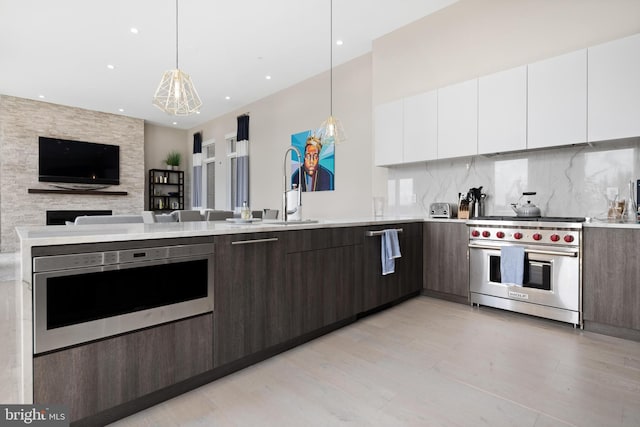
(390, 250)
(512, 264)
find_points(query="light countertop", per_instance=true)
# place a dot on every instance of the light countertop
(73, 234)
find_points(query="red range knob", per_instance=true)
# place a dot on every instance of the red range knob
(568, 238)
(500, 234)
(517, 236)
(537, 236)
(554, 237)
(486, 234)
(475, 233)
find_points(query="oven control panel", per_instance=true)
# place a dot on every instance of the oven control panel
(528, 235)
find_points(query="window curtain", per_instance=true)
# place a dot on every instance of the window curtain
(242, 150)
(196, 194)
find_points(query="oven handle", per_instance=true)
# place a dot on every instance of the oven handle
(570, 252)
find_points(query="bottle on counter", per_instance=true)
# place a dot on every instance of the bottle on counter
(630, 213)
(245, 213)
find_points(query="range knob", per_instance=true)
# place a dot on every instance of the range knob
(486, 234)
(554, 237)
(568, 238)
(537, 236)
(475, 233)
(500, 234)
(517, 236)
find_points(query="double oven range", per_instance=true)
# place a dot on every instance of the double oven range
(552, 279)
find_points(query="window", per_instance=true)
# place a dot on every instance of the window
(209, 174)
(232, 171)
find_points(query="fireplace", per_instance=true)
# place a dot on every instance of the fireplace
(62, 216)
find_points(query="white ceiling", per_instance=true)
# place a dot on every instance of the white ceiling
(60, 49)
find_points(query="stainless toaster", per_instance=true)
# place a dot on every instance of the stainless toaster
(443, 210)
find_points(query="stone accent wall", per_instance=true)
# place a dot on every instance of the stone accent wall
(22, 121)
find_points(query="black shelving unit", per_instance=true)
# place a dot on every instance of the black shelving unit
(166, 190)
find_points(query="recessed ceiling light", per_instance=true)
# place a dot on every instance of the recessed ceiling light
(134, 30)
(175, 123)
(41, 96)
(111, 66)
(197, 112)
(267, 77)
(339, 42)
(227, 97)
(121, 110)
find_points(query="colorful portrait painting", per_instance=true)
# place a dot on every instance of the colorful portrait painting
(316, 169)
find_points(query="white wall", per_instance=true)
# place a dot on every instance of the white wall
(299, 108)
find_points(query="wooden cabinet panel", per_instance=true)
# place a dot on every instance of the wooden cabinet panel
(446, 261)
(249, 296)
(502, 111)
(323, 287)
(614, 89)
(557, 101)
(377, 289)
(388, 133)
(458, 120)
(611, 274)
(97, 376)
(420, 133)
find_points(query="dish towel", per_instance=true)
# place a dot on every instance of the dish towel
(512, 264)
(390, 250)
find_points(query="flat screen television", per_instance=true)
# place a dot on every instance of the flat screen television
(83, 164)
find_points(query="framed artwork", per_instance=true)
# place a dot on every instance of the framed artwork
(316, 169)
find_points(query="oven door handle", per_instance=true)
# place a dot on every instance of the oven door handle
(569, 252)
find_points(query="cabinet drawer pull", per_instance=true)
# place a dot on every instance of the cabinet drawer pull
(380, 233)
(246, 242)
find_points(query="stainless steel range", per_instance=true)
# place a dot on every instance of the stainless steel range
(552, 269)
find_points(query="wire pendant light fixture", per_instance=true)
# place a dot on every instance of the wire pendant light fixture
(331, 130)
(176, 94)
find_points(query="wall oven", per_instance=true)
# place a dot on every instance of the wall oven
(84, 296)
(552, 279)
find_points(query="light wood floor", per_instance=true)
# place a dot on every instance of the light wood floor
(427, 362)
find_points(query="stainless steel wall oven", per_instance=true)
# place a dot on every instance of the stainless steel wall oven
(552, 279)
(84, 296)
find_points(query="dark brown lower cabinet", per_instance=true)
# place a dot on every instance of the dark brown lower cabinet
(446, 260)
(377, 289)
(97, 376)
(611, 277)
(323, 277)
(251, 306)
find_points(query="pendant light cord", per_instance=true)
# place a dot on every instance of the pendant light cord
(177, 35)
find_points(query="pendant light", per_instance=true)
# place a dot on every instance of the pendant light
(331, 130)
(176, 94)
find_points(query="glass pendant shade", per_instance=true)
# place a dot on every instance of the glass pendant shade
(331, 131)
(176, 94)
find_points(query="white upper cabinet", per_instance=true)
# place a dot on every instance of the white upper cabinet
(458, 120)
(388, 128)
(614, 89)
(421, 127)
(557, 101)
(502, 111)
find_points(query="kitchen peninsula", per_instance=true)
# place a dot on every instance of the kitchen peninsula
(259, 289)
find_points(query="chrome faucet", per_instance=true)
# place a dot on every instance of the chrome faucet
(291, 202)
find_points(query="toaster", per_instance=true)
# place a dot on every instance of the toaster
(443, 210)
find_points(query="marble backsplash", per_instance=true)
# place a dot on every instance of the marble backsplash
(569, 181)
